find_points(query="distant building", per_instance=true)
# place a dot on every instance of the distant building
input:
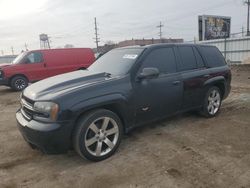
(7, 58)
(141, 42)
(68, 46)
(105, 48)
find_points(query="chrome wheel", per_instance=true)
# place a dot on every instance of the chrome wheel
(101, 136)
(214, 101)
(20, 84)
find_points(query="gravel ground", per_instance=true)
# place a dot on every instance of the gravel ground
(184, 151)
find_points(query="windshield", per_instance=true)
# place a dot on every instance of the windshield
(116, 62)
(18, 59)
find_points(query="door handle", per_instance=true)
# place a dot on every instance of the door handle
(45, 65)
(176, 82)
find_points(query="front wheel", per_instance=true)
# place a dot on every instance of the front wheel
(18, 83)
(97, 135)
(212, 102)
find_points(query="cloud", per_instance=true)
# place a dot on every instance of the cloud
(72, 22)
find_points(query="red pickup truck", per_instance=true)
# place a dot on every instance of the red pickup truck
(36, 65)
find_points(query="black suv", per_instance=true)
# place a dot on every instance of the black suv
(89, 110)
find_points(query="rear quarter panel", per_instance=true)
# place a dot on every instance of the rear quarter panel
(67, 60)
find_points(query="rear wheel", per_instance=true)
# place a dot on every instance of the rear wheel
(97, 135)
(18, 83)
(212, 102)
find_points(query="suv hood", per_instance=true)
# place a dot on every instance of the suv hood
(62, 84)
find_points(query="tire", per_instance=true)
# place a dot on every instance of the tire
(97, 135)
(18, 83)
(212, 102)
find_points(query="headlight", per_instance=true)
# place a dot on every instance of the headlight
(49, 109)
(1, 73)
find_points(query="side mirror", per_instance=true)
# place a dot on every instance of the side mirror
(149, 72)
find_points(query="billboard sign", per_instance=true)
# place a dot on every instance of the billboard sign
(214, 27)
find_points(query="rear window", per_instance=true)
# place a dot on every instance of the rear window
(213, 56)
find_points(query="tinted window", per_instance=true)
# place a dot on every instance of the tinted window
(213, 56)
(199, 60)
(34, 57)
(188, 59)
(163, 59)
(117, 62)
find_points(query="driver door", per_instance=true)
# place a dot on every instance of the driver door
(159, 96)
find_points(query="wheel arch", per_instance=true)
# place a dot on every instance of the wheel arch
(219, 82)
(15, 75)
(118, 106)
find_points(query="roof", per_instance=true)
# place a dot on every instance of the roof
(58, 49)
(161, 45)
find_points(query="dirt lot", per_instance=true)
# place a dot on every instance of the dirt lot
(184, 151)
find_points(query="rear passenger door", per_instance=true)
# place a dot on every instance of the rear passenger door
(194, 74)
(159, 96)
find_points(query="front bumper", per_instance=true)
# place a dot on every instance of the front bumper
(51, 138)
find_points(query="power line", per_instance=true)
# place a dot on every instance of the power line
(97, 39)
(160, 26)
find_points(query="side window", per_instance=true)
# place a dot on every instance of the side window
(162, 58)
(199, 60)
(34, 57)
(188, 59)
(213, 56)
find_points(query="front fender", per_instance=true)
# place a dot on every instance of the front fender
(116, 100)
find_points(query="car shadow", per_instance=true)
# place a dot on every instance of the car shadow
(72, 159)
(6, 90)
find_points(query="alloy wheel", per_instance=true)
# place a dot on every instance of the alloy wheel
(101, 136)
(214, 101)
(20, 84)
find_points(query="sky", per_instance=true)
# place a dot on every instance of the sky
(72, 22)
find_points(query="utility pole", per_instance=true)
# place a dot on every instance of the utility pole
(160, 26)
(242, 31)
(12, 50)
(26, 46)
(248, 8)
(97, 39)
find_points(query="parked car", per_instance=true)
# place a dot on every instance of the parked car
(127, 87)
(36, 65)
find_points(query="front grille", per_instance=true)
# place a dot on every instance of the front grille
(27, 108)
